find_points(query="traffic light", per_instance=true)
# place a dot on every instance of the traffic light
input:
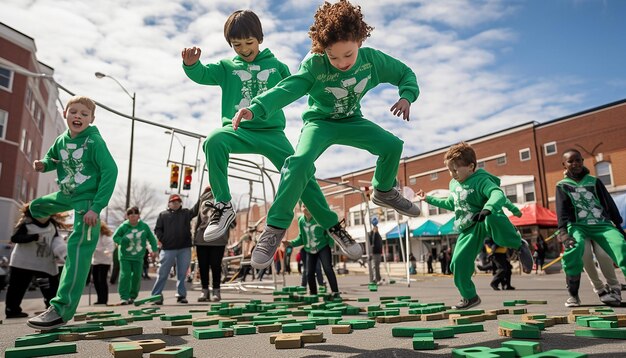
(367, 192)
(174, 173)
(187, 179)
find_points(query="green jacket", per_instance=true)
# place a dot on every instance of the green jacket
(85, 168)
(479, 191)
(312, 236)
(335, 94)
(240, 82)
(133, 240)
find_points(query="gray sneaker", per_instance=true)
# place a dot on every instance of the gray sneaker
(347, 244)
(572, 301)
(609, 298)
(47, 320)
(268, 243)
(394, 200)
(526, 257)
(219, 222)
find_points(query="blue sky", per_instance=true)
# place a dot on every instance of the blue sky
(482, 66)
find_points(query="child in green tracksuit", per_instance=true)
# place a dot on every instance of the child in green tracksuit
(241, 78)
(316, 242)
(336, 76)
(132, 236)
(585, 210)
(477, 201)
(86, 176)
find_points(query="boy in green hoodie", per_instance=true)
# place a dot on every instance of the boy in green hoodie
(316, 244)
(336, 76)
(585, 210)
(241, 78)
(132, 236)
(86, 176)
(477, 201)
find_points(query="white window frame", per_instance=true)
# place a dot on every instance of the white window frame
(521, 152)
(9, 88)
(501, 161)
(434, 176)
(23, 141)
(545, 148)
(524, 192)
(412, 181)
(4, 121)
(610, 173)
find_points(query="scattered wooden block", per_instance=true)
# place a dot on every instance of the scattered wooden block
(154, 298)
(266, 328)
(175, 331)
(43, 350)
(210, 333)
(341, 329)
(125, 350)
(463, 352)
(612, 333)
(312, 337)
(434, 316)
(423, 341)
(288, 341)
(517, 310)
(519, 333)
(173, 352)
(561, 353)
(36, 339)
(115, 332)
(523, 348)
(70, 337)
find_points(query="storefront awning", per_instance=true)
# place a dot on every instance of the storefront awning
(429, 228)
(535, 214)
(397, 232)
(448, 228)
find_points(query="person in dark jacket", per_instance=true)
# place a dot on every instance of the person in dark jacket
(376, 243)
(173, 230)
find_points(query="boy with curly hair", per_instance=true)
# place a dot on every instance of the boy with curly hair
(336, 76)
(477, 201)
(250, 73)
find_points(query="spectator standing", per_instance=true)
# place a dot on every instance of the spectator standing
(376, 245)
(101, 263)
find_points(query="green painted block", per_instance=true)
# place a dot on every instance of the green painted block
(502, 352)
(613, 333)
(466, 312)
(36, 339)
(173, 352)
(560, 353)
(242, 329)
(408, 331)
(292, 328)
(467, 328)
(603, 324)
(424, 341)
(205, 322)
(523, 348)
(226, 323)
(509, 303)
(143, 317)
(307, 325)
(175, 317)
(519, 326)
(525, 334)
(148, 299)
(363, 299)
(40, 350)
(442, 332)
(209, 333)
(463, 352)
(584, 321)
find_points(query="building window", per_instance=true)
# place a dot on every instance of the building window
(603, 172)
(412, 181)
(28, 97)
(432, 210)
(6, 78)
(501, 160)
(434, 176)
(480, 165)
(23, 141)
(549, 148)
(529, 191)
(29, 148)
(4, 117)
(524, 155)
(24, 190)
(510, 191)
(356, 218)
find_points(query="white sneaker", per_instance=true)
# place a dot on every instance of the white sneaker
(572, 301)
(47, 320)
(219, 222)
(268, 243)
(394, 200)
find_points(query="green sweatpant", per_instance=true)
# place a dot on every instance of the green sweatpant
(81, 244)
(130, 278)
(469, 243)
(273, 145)
(315, 137)
(606, 235)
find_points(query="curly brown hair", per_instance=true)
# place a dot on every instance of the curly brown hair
(59, 219)
(337, 22)
(461, 153)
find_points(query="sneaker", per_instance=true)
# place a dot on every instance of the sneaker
(182, 300)
(525, 257)
(159, 302)
(572, 301)
(464, 303)
(16, 315)
(494, 286)
(347, 244)
(394, 200)
(47, 320)
(608, 297)
(216, 295)
(126, 302)
(269, 241)
(219, 222)
(509, 288)
(205, 295)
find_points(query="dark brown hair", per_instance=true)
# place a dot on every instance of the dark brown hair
(57, 219)
(337, 22)
(242, 24)
(461, 153)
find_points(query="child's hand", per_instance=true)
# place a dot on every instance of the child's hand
(242, 114)
(420, 194)
(38, 166)
(191, 55)
(567, 241)
(402, 107)
(481, 215)
(90, 218)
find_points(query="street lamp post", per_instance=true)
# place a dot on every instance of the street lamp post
(182, 163)
(132, 135)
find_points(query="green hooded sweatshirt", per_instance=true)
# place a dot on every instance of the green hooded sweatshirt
(85, 168)
(479, 191)
(335, 94)
(241, 81)
(312, 236)
(133, 240)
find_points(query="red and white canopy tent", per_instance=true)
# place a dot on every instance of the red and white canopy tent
(535, 214)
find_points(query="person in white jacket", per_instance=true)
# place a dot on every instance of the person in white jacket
(38, 247)
(101, 263)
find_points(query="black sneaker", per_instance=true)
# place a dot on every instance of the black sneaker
(394, 200)
(494, 286)
(182, 300)
(16, 315)
(465, 303)
(159, 302)
(347, 244)
(509, 288)
(526, 257)
(219, 222)
(47, 320)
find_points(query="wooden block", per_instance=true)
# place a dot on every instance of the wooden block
(210, 333)
(341, 329)
(36, 339)
(561, 353)
(286, 341)
(410, 318)
(149, 299)
(176, 317)
(150, 345)
(175, 331)
(467, 328)
(312, 337)
(125, 350)
(498, 311)
(70, 337)
(612, 333)
(532, 316)
(580, 311)
(547, 322)
(422, 341)
(115, 332)
(517, 310)
(523, 348)
(43, 350)
(243, 329)
(535, 302)
(173, 352)
(434, 316)
(266, 328)
(537, 323)
(80, 317)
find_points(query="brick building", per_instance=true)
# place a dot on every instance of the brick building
(29, 123)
